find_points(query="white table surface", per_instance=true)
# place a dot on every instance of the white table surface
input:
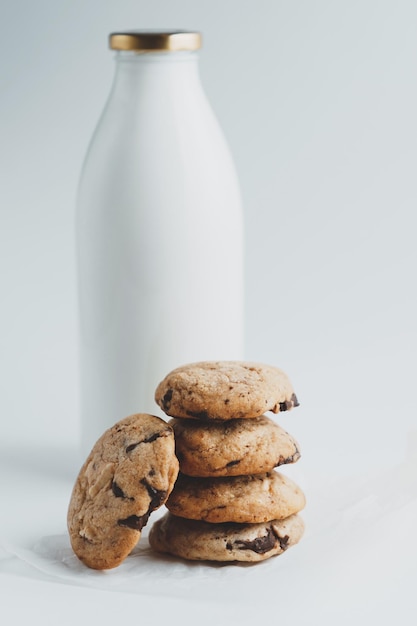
(356, 563)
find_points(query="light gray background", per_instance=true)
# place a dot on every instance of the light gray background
(318, 100)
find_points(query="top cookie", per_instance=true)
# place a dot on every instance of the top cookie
(129, 473)
(225, 390)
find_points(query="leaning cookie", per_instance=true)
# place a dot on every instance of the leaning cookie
(232, 447)
(225, 390)
(199, 541)
(129, 473)
(243, 499)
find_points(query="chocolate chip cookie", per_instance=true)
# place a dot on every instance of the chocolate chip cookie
(225, 390)
(232, 447)
(129, 473)
(196, 540)
(243, 499)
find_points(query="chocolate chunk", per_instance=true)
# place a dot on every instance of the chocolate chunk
(166, 400)
(118, 492)
(155, 436)
(157, 496)
(152, 437)
(289, 404)
(134, 521)
(290, 459)
(294, 400)
(283, 541)
(260, 545)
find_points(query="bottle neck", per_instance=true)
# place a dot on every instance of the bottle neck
(133, 69)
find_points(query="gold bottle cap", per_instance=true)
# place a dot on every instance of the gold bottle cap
(147, 41)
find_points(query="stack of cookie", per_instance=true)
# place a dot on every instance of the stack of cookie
(229, 503)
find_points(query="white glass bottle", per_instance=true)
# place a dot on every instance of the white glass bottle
(159, 232)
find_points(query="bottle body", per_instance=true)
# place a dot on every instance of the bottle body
(160, 240)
